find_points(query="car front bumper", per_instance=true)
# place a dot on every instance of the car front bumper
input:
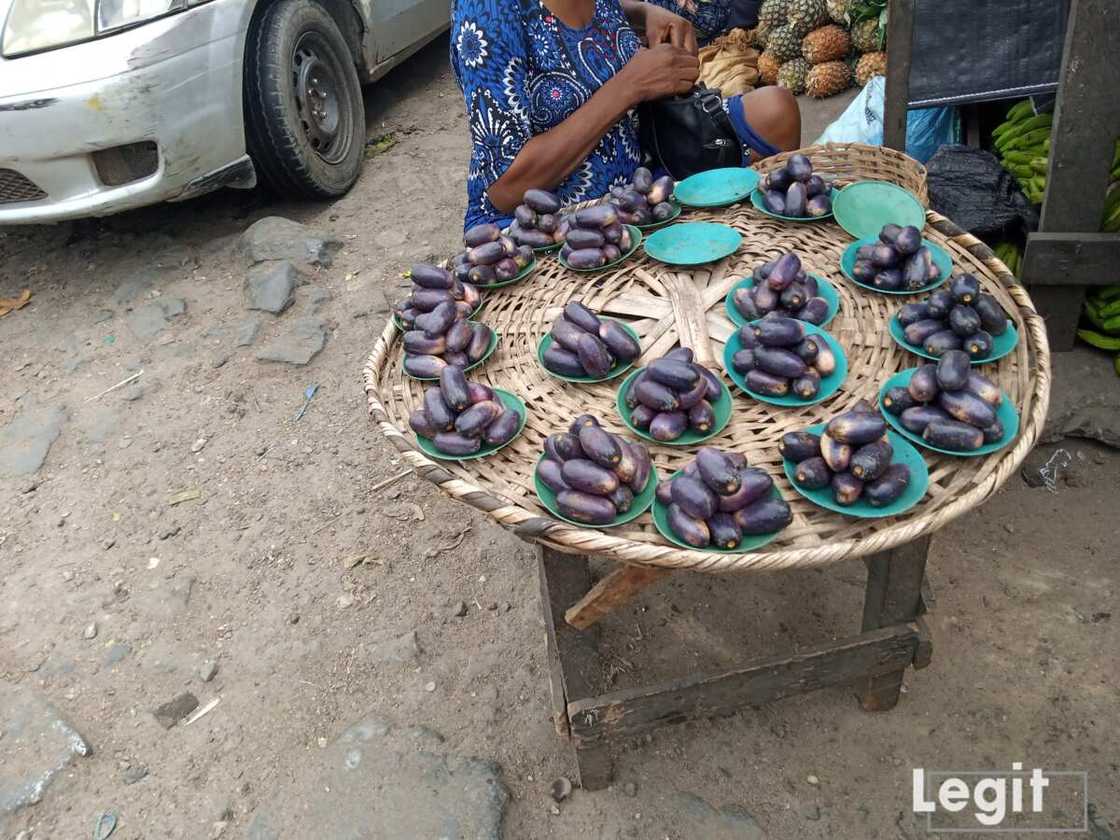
(175, 82)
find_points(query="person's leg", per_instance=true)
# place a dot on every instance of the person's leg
(767, 120)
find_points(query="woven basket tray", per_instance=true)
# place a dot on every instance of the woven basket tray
(649, 294)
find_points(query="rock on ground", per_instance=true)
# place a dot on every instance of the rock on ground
(381, 780)
(277, 238)
(37, 744)
(298, 344)
(269, 286)
(151, 319)
(25, 442)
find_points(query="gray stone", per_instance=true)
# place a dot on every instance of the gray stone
(277, 238)
(37, 745)
(298, 345)
(166, 598)
(269, 286)
(132, 288)
(116, 652)
(150, 319)
(403, 648)
(133, 774)
(699, 819)
(26, 440)
(173, 711)
(459, 609)
(420, 792)
(809, 811)
(208, 670)
(247, 330)
(91, 631)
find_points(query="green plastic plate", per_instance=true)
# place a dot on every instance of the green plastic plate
(517, 278)
(642, 501)
(635, 241)
(509, 401)
(829, 384)
(760, 206)
(400, 325)
(1006, 414)
(904, 453)
(747, 543)
(825, 289)
(693, 243)
(618, 369)
(494, 337)
(721, 408)
(676, 212)
(716, 187)
(1001, 344)
(864, 207)
(940, 259)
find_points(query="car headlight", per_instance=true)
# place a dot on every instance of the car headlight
(35, 25)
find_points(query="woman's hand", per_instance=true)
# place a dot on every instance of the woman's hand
(660, 71)
(664, 27)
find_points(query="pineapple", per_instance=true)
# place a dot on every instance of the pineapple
(768, 66)
(806, 15)
(827, 79)
(866, 36)
(792, 75)
(838, 10)
(828, 43)
(772, 13)
(759, 36)
(784, 44)
(870, 64)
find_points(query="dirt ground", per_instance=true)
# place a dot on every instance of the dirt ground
(279, 565)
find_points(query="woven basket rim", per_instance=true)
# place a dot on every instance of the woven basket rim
(532, 526)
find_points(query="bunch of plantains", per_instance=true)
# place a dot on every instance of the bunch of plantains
(1102, 308)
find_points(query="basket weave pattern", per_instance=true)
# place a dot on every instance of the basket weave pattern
(649, 296)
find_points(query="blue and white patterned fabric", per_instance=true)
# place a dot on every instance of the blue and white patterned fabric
(522, 72)
(709, 18)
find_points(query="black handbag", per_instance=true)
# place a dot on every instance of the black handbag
(688, 134)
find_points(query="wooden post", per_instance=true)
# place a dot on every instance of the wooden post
(573, 657)
(893, 596)
(1086, 123)
(896, 99)
(611, 592)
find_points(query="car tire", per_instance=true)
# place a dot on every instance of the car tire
(305, 120)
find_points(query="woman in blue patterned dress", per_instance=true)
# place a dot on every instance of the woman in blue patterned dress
(551, 90)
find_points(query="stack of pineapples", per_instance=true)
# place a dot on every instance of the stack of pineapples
(819, 47)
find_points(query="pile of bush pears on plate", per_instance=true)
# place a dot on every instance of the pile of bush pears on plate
(779, 358)
(538, 221)
(583, 344)
(644, 201)
(959, 317)
(431, 286)
(717, 499)
(781, 285)
(596, 237)
(490, 257)
(441, 335)
(672, 395)
(595, 474)
(793, 190)
(852, 456)
(949, 404)
(897, 262)
(459, 416)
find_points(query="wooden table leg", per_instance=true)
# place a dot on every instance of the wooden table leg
(573, 657)
(610, 593)
(893, 596)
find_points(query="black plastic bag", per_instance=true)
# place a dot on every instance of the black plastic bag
(971, 187)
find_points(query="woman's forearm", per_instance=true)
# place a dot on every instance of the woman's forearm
(635, 11)
(549, 158)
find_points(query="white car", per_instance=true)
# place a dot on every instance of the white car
(107, 105)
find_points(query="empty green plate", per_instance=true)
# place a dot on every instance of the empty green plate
(864, 207)
(721, 408)
(618, 369)
(509, 401)
(693, 243)
(635, 241)
(1001, 344)
(747, 543)
(716, 187)
(760, 206)
(495, 335)
(904, 453)
(829, 384)
(641, 503)
(940, 259)
(824, 289)
(1006, 414)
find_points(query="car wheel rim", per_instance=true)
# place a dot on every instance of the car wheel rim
(319, 91)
